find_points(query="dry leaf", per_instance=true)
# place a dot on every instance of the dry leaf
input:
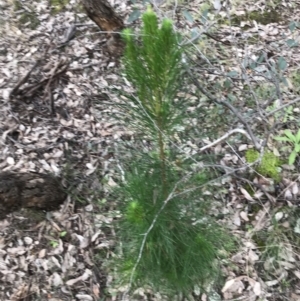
(257, 289)
(227, 285)
(244, 216)
(246, 194)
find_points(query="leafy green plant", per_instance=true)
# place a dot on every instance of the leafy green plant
(63, 233)
(53, 243)
(268, 165)
(292, 139)
(169, 241)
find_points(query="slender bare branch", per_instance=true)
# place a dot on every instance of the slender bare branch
(283, 107)
(225, 136)
(229, 106)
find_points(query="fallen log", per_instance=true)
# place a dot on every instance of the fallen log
(103, 14)
(29, 190)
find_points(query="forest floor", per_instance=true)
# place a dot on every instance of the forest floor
(63, 122)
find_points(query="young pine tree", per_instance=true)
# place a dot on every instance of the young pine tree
(162, 245)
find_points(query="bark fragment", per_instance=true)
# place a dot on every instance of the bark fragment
(29, 190)
(103, 14)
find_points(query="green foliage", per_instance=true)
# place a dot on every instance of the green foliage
(169, 241)
(134, 213)
(268, 165)
(177, 254)
(154, 69)
(294, 140)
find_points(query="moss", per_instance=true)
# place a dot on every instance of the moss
(57, 5)
(260, 239)
(17, 5)
(34, 215)
(264, 18)
(28, 18)
(268, 166)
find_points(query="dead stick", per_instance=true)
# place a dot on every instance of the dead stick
(23, 80)
(35, 87)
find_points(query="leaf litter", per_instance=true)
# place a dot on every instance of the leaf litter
(53, 119)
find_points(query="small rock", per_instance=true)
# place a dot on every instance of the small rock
(28, 240)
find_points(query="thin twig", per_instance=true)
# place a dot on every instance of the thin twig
(229, 106)
(170, 196)
(48, 91)
(32, 88)
(282, 107)
(225, 136)
(23, 80)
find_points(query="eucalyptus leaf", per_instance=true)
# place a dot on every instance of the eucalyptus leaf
(282, 64)
(134, 16)
(292, 26)
(231, 97)
(261, 58)
(245, 62)
(292, 43)
(284, 81)
(204, 16)
(253, 65)
(188, 16)
(194, 33)
(233, 73)
(227, 84)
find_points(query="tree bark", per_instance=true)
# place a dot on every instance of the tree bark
(102, 13)
(29, 190)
